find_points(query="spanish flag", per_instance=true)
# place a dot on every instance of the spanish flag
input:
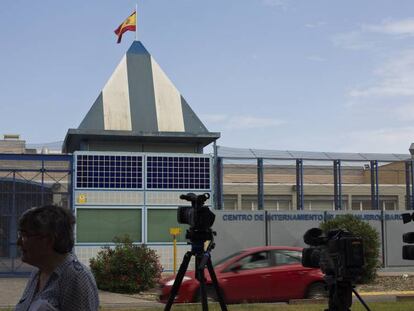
(129, 24)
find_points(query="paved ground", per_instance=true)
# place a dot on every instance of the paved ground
(11, 290)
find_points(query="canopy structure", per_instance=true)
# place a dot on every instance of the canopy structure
(240, 153)
(138, 105)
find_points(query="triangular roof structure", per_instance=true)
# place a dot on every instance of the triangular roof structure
(139, 103)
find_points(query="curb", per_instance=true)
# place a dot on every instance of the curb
(399, 296)
(120, 306)
(404, 298)
(390, 293)
(117, 306)
(308, 301)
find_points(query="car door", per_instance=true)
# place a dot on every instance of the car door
(248, 279)
(287, 276)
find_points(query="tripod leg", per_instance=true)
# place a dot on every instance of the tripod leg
(216, 285)
(340, 296)
(201, 279)
(361, 300)
(178, 279)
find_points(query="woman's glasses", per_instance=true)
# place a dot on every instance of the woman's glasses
(24, 235)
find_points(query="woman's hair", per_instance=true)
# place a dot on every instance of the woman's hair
(51, 219)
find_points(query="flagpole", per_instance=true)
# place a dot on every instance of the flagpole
(136, 21)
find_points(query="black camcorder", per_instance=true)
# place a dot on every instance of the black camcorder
(408, 250)
(198, 216)
(339, 254)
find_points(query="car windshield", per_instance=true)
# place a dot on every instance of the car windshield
(220, 261)
(287, 257)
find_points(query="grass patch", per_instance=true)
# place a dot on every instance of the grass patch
(377, 306)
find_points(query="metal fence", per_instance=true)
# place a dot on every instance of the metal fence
(25, 181)
(263, 193)
(248, 179)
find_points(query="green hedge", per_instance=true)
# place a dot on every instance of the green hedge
(370, 237)
(127, 268)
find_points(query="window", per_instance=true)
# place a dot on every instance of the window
(388, 203)
(286, 257)
(279, 202)
(255, 261)
(224, 259)
(230, 202)
(103, 225)
(159, 223)
(362, 203)
(249, 202)
(322, 203)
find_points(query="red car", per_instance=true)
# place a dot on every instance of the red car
(259, 274)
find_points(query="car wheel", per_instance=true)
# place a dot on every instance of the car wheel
(317, 291)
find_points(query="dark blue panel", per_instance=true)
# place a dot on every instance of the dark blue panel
(178, 173)
(93, 168)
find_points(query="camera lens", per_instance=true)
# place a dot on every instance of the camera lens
(185, 215)
(311, 257)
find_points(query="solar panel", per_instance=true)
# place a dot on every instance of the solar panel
(109, 171)
(238, 153)
(178, 172)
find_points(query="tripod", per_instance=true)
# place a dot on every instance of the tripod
(202, 259)
(340, 296)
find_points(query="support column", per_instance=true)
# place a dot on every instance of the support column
(260, 188)
(239, 201)
(13, 227)
(374, 185)
(299, 184)
(42, 199)
(412, 184)
(408, 199)
(337, 185)
(219, 183)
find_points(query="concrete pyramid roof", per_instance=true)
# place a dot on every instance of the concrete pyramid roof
(140, 101)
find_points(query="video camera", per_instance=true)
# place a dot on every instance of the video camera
(199, 217)
(339, 254)
(408, 250)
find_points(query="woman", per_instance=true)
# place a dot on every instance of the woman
(60, 282)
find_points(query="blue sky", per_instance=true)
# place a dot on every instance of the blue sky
(314, 75)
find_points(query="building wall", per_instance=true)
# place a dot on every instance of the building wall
(122, 146)
(119, 193)
(240, 187)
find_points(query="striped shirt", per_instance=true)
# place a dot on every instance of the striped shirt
(71, 287)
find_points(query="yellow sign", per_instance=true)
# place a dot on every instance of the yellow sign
(175, 231)
(82, 198)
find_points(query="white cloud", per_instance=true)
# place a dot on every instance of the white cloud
(363, 38)
(315, 25)
(276, 3)
(239, 122)
(401, 27)
(353, 40)
(392, 83)
(385, 140)
(214, 118)
(395, 78)
(316, 58)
